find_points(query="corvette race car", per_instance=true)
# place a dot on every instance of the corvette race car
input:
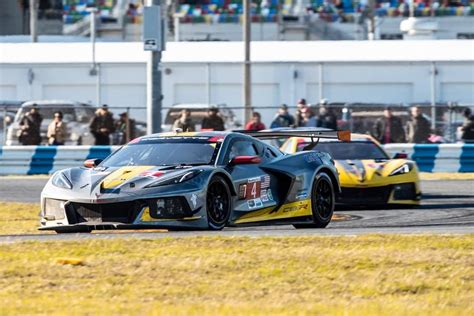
(203, 180)
(368, 176)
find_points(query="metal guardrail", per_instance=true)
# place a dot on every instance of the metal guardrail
(448, 115)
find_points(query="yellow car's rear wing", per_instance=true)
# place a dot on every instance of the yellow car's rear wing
(313, 133)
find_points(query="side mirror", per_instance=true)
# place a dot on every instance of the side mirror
(92, 163)
(245, 160)
(400, 156)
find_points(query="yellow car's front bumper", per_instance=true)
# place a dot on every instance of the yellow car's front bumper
(407, 193)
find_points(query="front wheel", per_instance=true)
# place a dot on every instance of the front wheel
(218, 203)
(322, 202)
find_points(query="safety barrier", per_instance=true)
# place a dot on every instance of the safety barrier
(29, 160)
(438, 157)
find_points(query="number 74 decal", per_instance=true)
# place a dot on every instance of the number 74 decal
(253, 188)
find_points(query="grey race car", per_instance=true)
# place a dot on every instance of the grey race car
(203, 180)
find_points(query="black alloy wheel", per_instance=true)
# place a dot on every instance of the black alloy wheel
(322, 202)
(218, 203)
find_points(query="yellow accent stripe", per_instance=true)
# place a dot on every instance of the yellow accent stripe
(146, 217)
(123, 174)
(288, 210)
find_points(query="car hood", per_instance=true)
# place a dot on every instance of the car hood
(128, 180)
(367, 171)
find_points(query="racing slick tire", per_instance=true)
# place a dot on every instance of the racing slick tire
(322, 202)
(73, 230)
(218, 203)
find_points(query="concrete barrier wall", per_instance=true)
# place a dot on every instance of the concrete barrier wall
(29, 160)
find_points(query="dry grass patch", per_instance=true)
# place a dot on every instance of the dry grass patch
(372, 274)
(446, 176)
(19, 218)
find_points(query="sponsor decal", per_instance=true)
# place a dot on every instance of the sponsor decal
(301, 195)
(152, 174)
(265, 181)
(294, 208)
(255, 203)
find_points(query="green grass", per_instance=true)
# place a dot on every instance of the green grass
(364, 275)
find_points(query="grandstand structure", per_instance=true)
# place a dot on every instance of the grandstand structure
(204, 20)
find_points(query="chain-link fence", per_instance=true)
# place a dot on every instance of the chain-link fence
(130, 121)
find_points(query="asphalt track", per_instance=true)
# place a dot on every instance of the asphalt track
(447, 208)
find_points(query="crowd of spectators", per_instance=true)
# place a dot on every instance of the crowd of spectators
(230, 11)
(105, 129)
(386, 129)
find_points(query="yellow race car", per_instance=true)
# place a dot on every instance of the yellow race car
(368, 176)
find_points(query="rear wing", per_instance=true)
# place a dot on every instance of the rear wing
(313, 133)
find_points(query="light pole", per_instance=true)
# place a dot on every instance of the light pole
(154, 42)
(247, 66)
(34, 20)
(94, 70)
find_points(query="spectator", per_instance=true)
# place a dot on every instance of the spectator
(102, 125)
(299, 115)
(283, 118)
(255, 124)
(418, 128)
(30, 125)
(57, 130)
(326, 118)
(121, 129)
(184, 122)
(213, 121)
(309, 120)
(388, 129)
(467, 128)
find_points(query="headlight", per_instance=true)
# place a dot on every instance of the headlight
(176, 179)
(61, 181)
(405, 168)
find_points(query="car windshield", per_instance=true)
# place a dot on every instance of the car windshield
(161, 151)
(349, 151)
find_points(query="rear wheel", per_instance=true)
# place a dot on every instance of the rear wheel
(218, 203)
(322, 202)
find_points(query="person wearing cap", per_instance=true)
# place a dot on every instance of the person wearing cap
(255, 124)
(326, 118)
(300, 106)
(120, 135)
(467, 129)
(30, 125)
(102, 125)
(184, 122)
(213, 122)
(283, 118)
(388, 129)
(57, 130)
